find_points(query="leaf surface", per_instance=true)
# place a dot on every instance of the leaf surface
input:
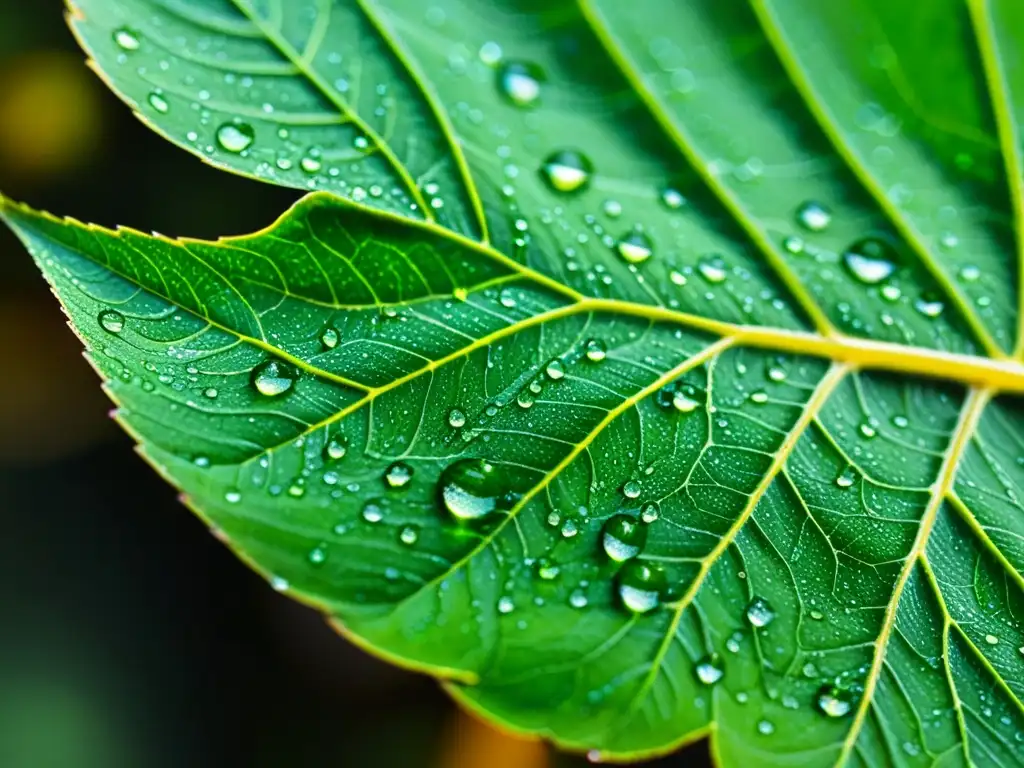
(773, 324)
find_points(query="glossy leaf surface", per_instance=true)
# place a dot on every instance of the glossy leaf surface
(643, 370)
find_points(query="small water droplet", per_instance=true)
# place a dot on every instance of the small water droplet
(635, 247)
(567, 170)
(329, 338)
(650, 512)
(111, 321)
(623, 537)
(410, 534)
(311, 164)
(317, 555)
(846, 478)
(765, 728)
(631, 489)
(578, 599)
(991, 639)
(547, 570)
(505, 605)
(555, 370)
(158, 102)
(760, 612)
(834, 701)
(970, 273)
(672, 198)
(373, 512)
(596, 350)
(126, 39)
(901, 422)
(677, 277)
(233, 496)
(794, 245)
(456, 418)
(471, 489)
(398, 475)
(929, 306)
(335, 449)
(490, 53)
(235, 137)
(867, 430)
(640, 586)
(712, 268)
(814, 216)
(274, 377)
(520, 82)
(683, 402)
(709, 669)
(870, 260)
(612, 209)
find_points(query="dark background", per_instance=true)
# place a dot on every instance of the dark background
(128, 635)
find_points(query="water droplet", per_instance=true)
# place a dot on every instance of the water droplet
(612, 209)
(794, 245)
(867, 430)
(398, 475)
(329, 338)
(640, 586)
(929, 306)
(335, 449)
(760, 397)
(507, 298)
(765, 728)
(635, 247)
(709, 669)
(835, 701)
(525, 399)
(623, 537)
(567, 171)
(274, 377)
(683, 402)
(991, 639)
(969, 273)
(777, 374)
(520, 82)
(126, 39)
(650, 512)
(111, 321)
(317, 555)
(456, 418)
(672, 198)
(712, 268)
(547, 570)
(279, 584)
(471, 489)
(578, 599)
(235, 137)
(814, 216)
(373, 512)
(631, 489)
(555, 370)
(870, 260)
(760, 612)
(900, 422)
(490, 53)
(846, 478)
(677, 277)
(596, 350)
(410, 534)
(505, 605)
(311, 164)
(158, 102)
(232, 497)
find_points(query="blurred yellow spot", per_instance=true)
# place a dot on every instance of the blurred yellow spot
(471, 743)
(50, 114)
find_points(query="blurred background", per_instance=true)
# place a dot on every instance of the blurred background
(128, 635)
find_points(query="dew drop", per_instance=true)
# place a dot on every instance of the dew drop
(672, 198)
(969, 273)
(158, 102)
(760, 397)
(555, 370)
(547, 570)
(794, 245)
(834, 701)
(456, 418)
(623, 538)
(760, 612)
(596, 350)
(867, 430)
(373, 512)
(317, 556)
(520, 82)
(311, 164)
(635, 247)
(410, 534)
(929, 307)
(471, 489)
(991, 639)
(846, 478)
(677, 277)
(505, 605)
(612, 209)
(525, 399)
(111, 321)
(901, 422)
(233, 496)
(683, 402)
(765, 728)
(329, 338)
(814, 216)
(709, 669)
(650, 512)
(870, 260)
(712, 268)
(631, 489)
(335, 449)
(126, 39)
(490, 53)
(398, 475)
(235, 137)
(274, 377)
(567, 170)
(640, 586)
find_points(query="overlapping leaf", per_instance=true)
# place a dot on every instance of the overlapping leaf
(683, 263)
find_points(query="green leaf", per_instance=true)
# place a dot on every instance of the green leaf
(654, 372)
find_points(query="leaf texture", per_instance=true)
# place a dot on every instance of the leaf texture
(771, 317)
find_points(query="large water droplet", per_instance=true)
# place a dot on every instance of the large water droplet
(520, 82)
(760, 612)
(814, 216)
(471, 489)
(631, 489)
(111, 320)
(555, 370)
(567, 170)
(235, 137)
(335, 449)
(835, 701)
(398, 475)
(373, 512)
(640, 586)
(595, 350)
(126, 39)
(709, 669)
(456, 418)
(623, 537)
(274, 377)
(635, 247)
(870, 260)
